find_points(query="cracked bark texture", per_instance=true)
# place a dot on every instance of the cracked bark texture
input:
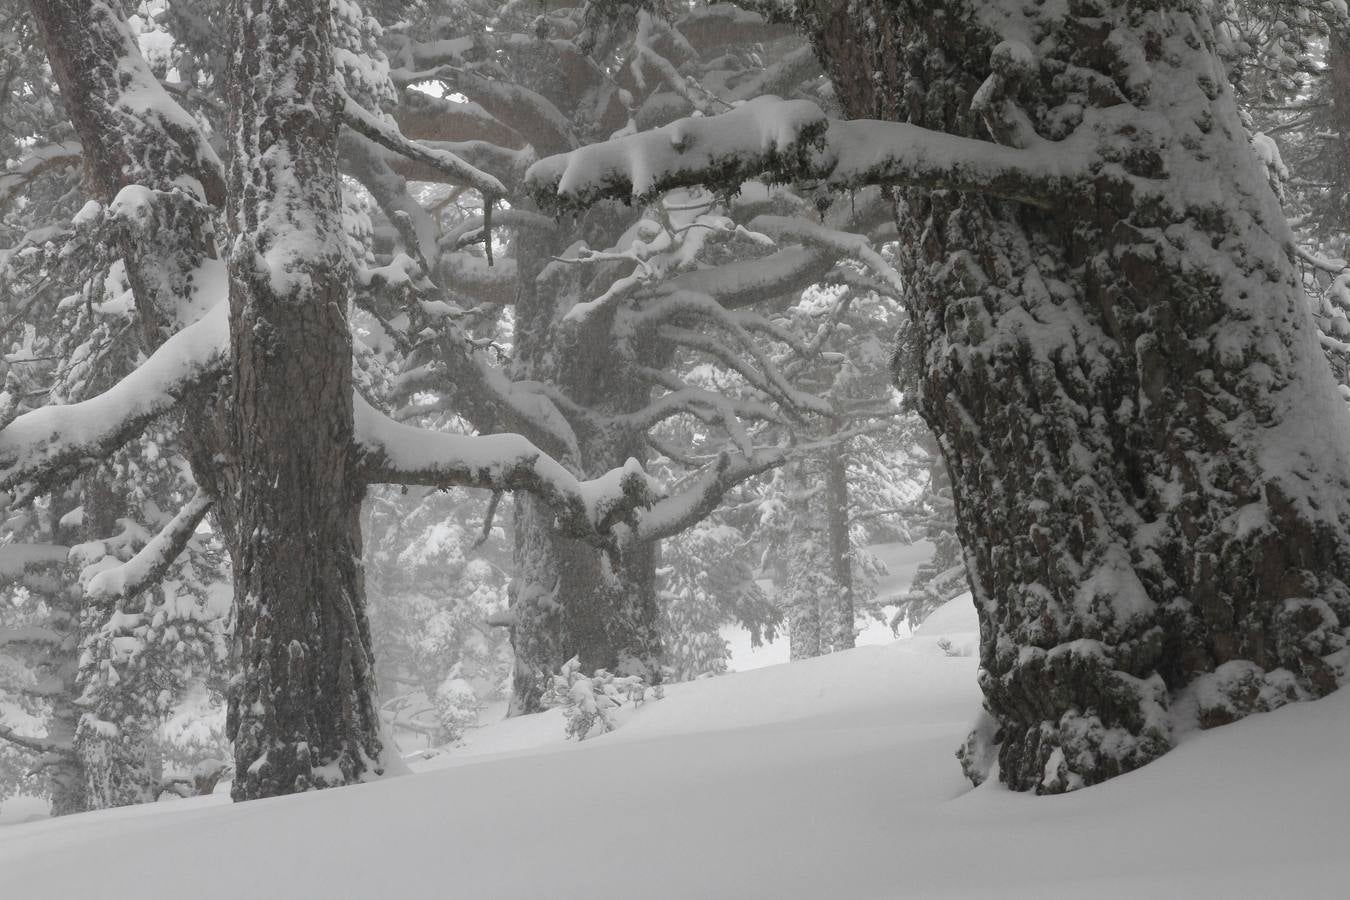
(1146, 454)
(302, 710)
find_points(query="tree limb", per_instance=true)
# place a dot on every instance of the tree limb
(393, 453)
(33, 744)
(683, 508)
(387, 134)
(148, 566)
(792, 140)
(48, 446)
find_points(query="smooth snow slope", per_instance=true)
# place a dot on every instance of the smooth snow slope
(832, 778)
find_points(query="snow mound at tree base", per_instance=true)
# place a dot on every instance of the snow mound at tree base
(829, 778)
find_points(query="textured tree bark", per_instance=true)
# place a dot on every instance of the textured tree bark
(570, 598)
(1146, 453)
(841, 558)
(807, 589)
(302, 710)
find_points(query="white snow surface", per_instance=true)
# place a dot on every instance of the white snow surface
(827, 778)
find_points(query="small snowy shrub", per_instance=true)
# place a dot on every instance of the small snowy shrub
(457, 705)
(589, 702)
(946, 646)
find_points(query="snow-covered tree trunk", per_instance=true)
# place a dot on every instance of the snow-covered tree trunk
(302, 709)
(1148, 459)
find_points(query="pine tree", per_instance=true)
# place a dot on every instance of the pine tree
(1117, 355)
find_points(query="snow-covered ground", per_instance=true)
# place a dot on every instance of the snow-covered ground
(900, 560)
(832, 778)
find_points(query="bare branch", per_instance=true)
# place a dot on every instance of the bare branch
(488, 518)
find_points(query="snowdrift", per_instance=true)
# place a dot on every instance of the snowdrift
(832, 778)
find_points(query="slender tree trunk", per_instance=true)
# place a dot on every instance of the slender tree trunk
(841, 556)
(302, 708)
(1147, 457)
(807, 588)
(1338, 77)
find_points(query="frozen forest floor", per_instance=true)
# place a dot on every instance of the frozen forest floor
(832, 778)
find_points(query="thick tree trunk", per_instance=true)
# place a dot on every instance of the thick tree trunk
(302, 708)
(570, 598)
(1148, 459)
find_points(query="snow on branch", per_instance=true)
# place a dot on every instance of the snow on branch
(792, 140)
(395, 453)
(387, 134)
(764, 136)
(49, 445)
(148, 566)
(34, 744)
(704, 493)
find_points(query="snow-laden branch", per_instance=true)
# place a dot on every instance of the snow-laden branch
(704, 492)
(148, 566)
(441, 356)
(793, 140)
(387, 134)
(394, 453)
(34, 744)
(485, 396)
(49, 445)
(767, 136)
